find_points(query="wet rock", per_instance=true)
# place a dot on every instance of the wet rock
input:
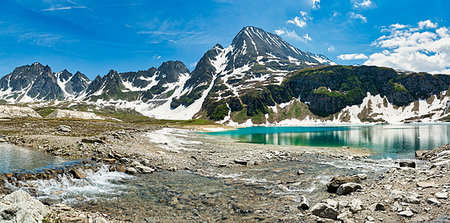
(348, 188)
(131, 170)
(19, 206)
(241, 162)
(64, 128)
(77, 173)
(441, 195)
(410, 164)
(334, 184)
(325, 211)
(144, 169)
(304, 203)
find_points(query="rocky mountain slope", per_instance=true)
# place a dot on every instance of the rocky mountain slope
(258, 79)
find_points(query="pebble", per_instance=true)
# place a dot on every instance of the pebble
(433, 201)
(406, 213)
(441, 195)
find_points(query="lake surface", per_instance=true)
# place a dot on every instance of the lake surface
(19, 159)
(385, 141)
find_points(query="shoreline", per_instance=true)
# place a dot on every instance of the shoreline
(175, 152)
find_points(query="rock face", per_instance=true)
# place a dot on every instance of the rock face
(21, 207)
(7, 111)
(68, 114)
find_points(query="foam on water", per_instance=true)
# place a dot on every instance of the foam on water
(70, 190)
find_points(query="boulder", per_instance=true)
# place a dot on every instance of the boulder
(410, 164)
(335, 182)
(19, 206)
(348, 188)
(325, 211)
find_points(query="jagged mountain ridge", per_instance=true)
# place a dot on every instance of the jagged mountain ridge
(255, 79)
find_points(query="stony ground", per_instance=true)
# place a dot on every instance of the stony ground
(388, 194)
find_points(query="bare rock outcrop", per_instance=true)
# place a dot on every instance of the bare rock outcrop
(10, 111)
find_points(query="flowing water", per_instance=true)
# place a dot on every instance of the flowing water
(385, 141)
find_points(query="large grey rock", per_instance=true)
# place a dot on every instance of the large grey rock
(348, 188)
(335, 182)
(325, 211)
(19, 206)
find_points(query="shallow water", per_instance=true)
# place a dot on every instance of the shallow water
(212, 194)
(385, 141)
(18, 159)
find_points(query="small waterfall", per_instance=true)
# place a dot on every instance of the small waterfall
(70, 190)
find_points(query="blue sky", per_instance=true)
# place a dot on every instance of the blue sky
(96, 36)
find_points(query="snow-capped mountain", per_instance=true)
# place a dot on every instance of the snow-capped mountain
(36, 82)
(258, 79)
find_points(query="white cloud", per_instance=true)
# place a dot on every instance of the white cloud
(65, 8)
(414, 49)
(358, 16)
(298, 22)
(331, 49)
(307, 37)
(315, 4)
(352, 56)
(362, 4)
(301, 21)
(427, 24)
(292, 35)
(398, 26)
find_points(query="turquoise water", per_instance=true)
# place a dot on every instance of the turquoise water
(18, 159)
(385, 141)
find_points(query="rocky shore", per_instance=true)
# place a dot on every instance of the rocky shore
(252, 182)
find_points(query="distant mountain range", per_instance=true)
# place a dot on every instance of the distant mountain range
(259, 78)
